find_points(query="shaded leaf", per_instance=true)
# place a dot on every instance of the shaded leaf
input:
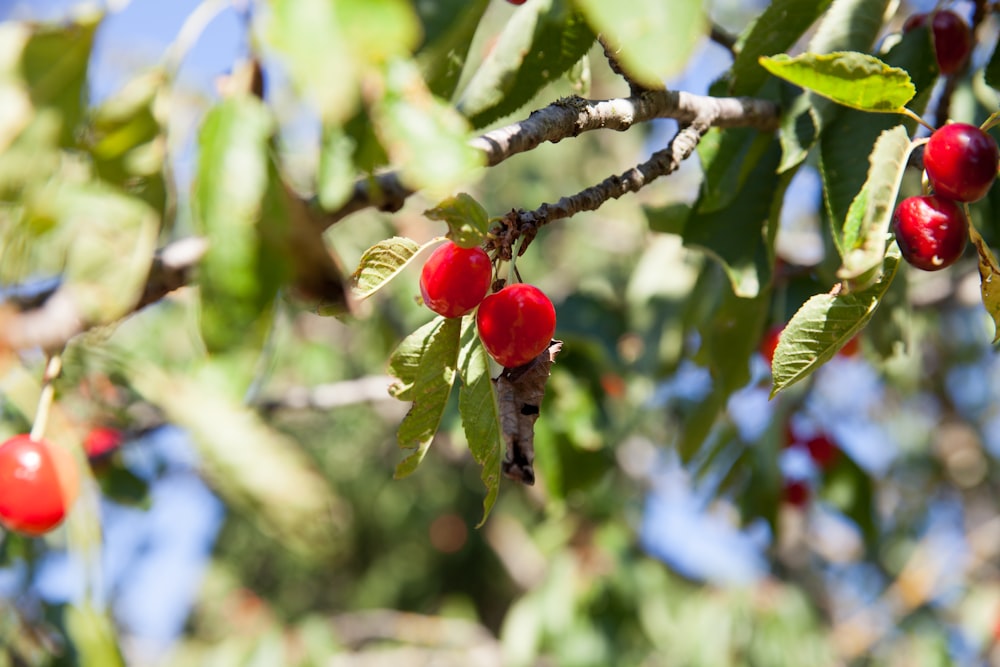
(381, 263)
(477, 405)
(542, 40)
(449, 27)
(734, 235)
(823, 325)
(774, 31)
(866, 228)
(404, 362)
(519, 398)
(426, 138)
(335, 176)
(989, 272)
(992, 70)
(431, 387)
(669, 219)
(467, 220)
(652, 40)
(856, 80)
(728, 156)
(54, 65)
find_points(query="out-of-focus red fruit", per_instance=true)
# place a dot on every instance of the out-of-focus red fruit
(769, 343)
(795, 492)
(102, 440)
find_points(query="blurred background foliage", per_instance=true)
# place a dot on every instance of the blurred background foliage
(251, 518)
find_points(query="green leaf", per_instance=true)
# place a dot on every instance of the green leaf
(315, 48)
(543, 40)
(989, 278)
(992, 71)
(823, 325)
(728, 156)
(335, 177)
(378, 31)
(127, 143)
(856, 80)
(93, 636)
(431, 387)
(260, 471)
(404, 362)
(734, 234)
(774, 31)
(112, 249)
(854, 132)
(467, 220)
(848, 25)
(449, 26)
(383, 262)
(866, 229)
(669, 219)
(54, 65)
(477, 405)
(230, 186)
(426, 138)
(653, 40)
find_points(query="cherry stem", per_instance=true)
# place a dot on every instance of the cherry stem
(991, 122)
(910, 114)
(52, 370)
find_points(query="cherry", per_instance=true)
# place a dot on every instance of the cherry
(770, 342)
(102, 440)
(952, 38)
(795, 492)
(931, 231)
(38, 484)
(961, 162)
(454, 279)
(517, 2)
(516, 324)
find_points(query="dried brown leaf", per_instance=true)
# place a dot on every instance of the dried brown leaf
(519, 397)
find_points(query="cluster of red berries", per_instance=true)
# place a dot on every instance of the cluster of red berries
(961, 164)
(960, 161)
(515, 324)
(39, 480)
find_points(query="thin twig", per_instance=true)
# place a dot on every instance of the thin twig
(521, 223)
(570, 117)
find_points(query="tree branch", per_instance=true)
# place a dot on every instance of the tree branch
(570, 117)
(519, 223)
(53, 317)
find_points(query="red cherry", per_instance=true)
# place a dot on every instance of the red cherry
(952, 41)
(770, 342)
(38, 484)
(851, 348)
(102, 440)
(822, 450)
(961, 162)
(952, 38)
(795, 492)
(517, 2)
(454, 279)
(931, 231)
(516, 324)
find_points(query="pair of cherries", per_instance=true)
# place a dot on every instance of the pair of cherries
(515, 324)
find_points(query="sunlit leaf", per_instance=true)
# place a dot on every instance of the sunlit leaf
(426, 138)
(989, 276)
(335, 177)
(774, 31)
(229, 193)
(542, 40)
(653, 40)
(856, 80)
(467, 220)
(477, 405)
(823, 325)
(94, 635)
(431, 387)
(867, 226)
(381, 263)
(404, 362)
